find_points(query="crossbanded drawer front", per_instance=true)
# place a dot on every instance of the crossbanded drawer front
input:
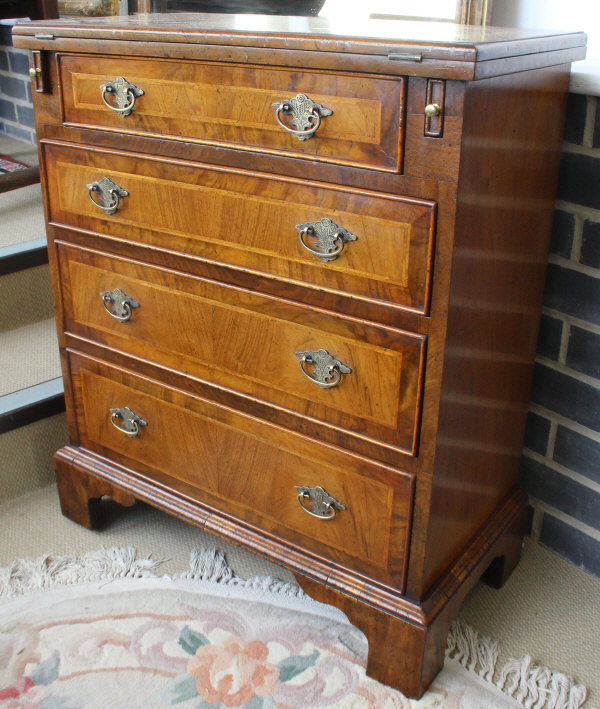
(252, 344)
(358, 119)
(247, 468)
(252, 222)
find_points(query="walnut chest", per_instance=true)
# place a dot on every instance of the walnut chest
(298, 268)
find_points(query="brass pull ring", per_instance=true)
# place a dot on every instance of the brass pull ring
(326, 371)
(333, 374)
(317, 502)
(129, 422)
(300, 134)
(306, 115)
(332, 254)
(124, 95)
(118, 304)
(109, 195)
(109, 208)
(330, 238)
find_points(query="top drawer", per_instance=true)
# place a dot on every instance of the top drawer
(232, 105)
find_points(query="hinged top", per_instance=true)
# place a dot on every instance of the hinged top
(474, 52)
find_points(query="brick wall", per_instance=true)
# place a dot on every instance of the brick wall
(561, 460)
(16, 107)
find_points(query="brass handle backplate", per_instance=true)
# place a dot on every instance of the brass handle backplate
(123, 95)
(330, 238)
(305, 115)
(318, 503)
(321, 368)
(126, 421)
(109, 194)
(118, 304)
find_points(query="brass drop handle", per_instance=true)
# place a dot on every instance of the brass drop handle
(305, 115)
(330, 238)
(108, 194)
(118, 304)
(123, 95)
(126, 421)
(321, 368)
(317, 502)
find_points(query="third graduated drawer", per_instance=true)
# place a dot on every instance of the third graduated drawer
(367, 245)
(334, 375)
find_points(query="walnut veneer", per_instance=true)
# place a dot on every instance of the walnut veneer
(190, 292)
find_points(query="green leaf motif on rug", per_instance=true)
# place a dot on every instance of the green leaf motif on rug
(46, 672)
(180, 689)
(190, 640)
(293, 666)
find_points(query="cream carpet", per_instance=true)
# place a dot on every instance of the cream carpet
(28, 342)
(548, 608)
(21, 213)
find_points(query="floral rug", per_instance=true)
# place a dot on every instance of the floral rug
(105, 631)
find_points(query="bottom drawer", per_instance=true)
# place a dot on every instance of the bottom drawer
(248, 468)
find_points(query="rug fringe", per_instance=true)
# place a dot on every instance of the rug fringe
(105, 564)
(211, 565)
(534, 687)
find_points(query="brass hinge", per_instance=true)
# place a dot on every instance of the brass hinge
(405, 57)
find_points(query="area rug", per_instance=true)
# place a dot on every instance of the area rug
(10, 165)
(106, 631)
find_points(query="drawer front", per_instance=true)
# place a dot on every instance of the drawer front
(251, 222)
(248, 469)
(251, 344)
(232, 105)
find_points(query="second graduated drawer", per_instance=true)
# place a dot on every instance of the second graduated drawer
(339, 374)
(269, 225)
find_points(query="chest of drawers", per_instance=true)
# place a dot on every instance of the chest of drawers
(298, 273)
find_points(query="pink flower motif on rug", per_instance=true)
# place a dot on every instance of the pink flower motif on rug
(233, 673)
(18, 693)
(30, 692)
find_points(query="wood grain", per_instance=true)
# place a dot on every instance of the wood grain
(236, 463)
(250, 221)
(504, 215)
(233, 105)
(245, 341)
(441, 50)
(435, 306)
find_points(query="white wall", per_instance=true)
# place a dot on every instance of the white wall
(552, 14)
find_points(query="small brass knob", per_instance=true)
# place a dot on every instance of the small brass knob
(35, 72)
(432, 110)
